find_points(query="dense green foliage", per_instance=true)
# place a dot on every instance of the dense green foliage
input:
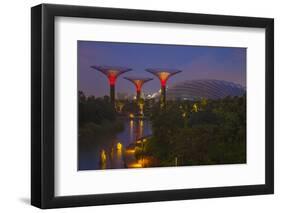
(212, 132)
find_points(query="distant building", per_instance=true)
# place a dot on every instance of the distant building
(209, 89)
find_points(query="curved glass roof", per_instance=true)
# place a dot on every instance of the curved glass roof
(209, 89)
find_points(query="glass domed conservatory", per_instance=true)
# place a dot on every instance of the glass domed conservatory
(209, 89)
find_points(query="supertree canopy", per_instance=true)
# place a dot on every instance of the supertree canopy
(138, 82)
(112, 74)
(163, 75)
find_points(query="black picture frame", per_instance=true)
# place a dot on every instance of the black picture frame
(43, 117)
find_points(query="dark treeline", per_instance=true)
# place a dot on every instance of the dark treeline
(97, 116)
(199, 133)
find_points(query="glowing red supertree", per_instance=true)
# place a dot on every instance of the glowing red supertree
(138, 82)
(112, 74)
(163, 75)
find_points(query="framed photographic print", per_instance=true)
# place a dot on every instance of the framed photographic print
(139, 106)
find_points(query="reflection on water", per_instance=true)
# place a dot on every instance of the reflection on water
(108, 153)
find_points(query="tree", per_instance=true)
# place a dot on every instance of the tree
(216, 135)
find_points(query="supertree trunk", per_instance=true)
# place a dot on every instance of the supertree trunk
(112, 94)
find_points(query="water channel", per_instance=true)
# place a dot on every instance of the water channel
(111, 148)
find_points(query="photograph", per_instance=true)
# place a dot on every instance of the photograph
(160, 105)
(140, 105)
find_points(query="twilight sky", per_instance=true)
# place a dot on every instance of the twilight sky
(196, 62)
